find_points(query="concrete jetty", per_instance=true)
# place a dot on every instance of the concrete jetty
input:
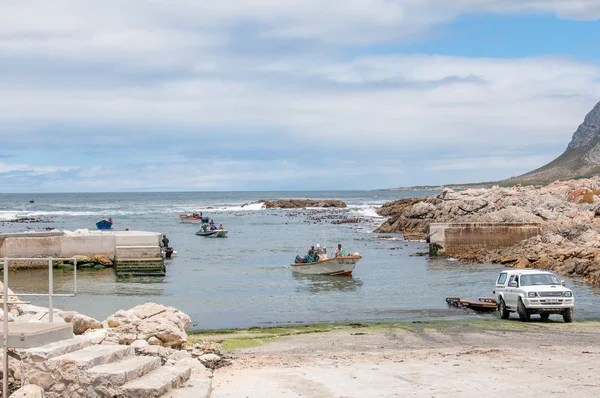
(449, 238)
(132, 252)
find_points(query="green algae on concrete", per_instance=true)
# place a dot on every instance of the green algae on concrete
(232, 339)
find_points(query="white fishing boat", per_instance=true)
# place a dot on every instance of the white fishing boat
(340, 265)
(216, 233)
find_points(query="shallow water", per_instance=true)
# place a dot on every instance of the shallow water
(245, 279)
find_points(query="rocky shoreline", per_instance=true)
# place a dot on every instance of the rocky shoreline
(568, 212)
(150, 330)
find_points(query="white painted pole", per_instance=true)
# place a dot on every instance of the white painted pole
(50, 291)
(5, 336)
(75, 277)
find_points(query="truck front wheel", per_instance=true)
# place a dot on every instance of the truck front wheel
(568, 315)
(504, 314)
(524, 315)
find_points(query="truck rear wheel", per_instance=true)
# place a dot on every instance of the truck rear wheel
(524, 315)
(568, 315)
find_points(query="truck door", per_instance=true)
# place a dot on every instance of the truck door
(510, 296)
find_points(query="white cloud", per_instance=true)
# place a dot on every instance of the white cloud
(191, 69)
(414, 100)
(29, 169)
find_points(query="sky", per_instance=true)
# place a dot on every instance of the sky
(198, 95)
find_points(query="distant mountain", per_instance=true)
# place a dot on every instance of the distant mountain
(581, 159)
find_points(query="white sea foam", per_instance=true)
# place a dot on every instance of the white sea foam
(364, 210)
(221, 209)
(9, 215)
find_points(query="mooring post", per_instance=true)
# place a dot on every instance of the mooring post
(50, 291)
(5, 336)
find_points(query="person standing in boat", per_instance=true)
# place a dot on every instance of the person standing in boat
(165, 241)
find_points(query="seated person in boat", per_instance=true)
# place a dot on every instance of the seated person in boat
(339, 252)
(221, 226)
(203, 227)
(110, 220)
(312, 256)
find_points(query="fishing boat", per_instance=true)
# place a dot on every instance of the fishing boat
(340, 265)
(104, 224)
(193, 218)
(215, 233)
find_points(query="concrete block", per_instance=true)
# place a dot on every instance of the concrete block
(36, 334)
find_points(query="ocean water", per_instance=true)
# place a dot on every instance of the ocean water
(245, 279)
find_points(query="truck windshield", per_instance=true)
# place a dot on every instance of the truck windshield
(539, 279)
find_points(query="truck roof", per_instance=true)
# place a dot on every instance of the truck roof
(527, 271)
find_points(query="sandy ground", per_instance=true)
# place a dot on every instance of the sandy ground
(502, 359)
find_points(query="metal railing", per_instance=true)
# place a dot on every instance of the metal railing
(50, 296)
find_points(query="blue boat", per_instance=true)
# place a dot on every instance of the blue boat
(104, 224)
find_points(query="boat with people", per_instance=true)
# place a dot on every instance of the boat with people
(194, 218)
(317, 262)
(104, 224)
(211, 230)
(219, 233)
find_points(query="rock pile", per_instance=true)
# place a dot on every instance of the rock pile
(568, 212)
(301, 203)
(150, 322)
(150, 330)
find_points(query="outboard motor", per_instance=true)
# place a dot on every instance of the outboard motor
(168, 252)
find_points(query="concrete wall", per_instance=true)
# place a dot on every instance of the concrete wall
(59, 244)
(72, 245)
(459, 237)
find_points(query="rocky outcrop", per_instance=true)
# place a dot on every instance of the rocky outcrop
(154, 323)
(301, 203)
(569, 214)
(580, 159)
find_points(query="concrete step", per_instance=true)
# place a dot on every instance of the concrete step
(58, 348)
(95, 355)
(158, 382)
(125, 370)
(140, 267)
(138, 252)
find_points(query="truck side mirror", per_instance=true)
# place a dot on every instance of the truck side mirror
(513, 284)
(563, 283)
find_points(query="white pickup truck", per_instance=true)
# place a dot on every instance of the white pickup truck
(533, 292)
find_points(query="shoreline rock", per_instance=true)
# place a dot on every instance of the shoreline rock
(301, 203)
(568, 212)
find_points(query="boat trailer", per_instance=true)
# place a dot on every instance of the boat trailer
(483, 304)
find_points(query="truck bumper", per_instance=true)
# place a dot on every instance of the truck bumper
(548, 305)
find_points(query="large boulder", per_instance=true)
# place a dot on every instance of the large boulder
(82, 323)
(29, 391)
(120, 318)
(152, 322)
